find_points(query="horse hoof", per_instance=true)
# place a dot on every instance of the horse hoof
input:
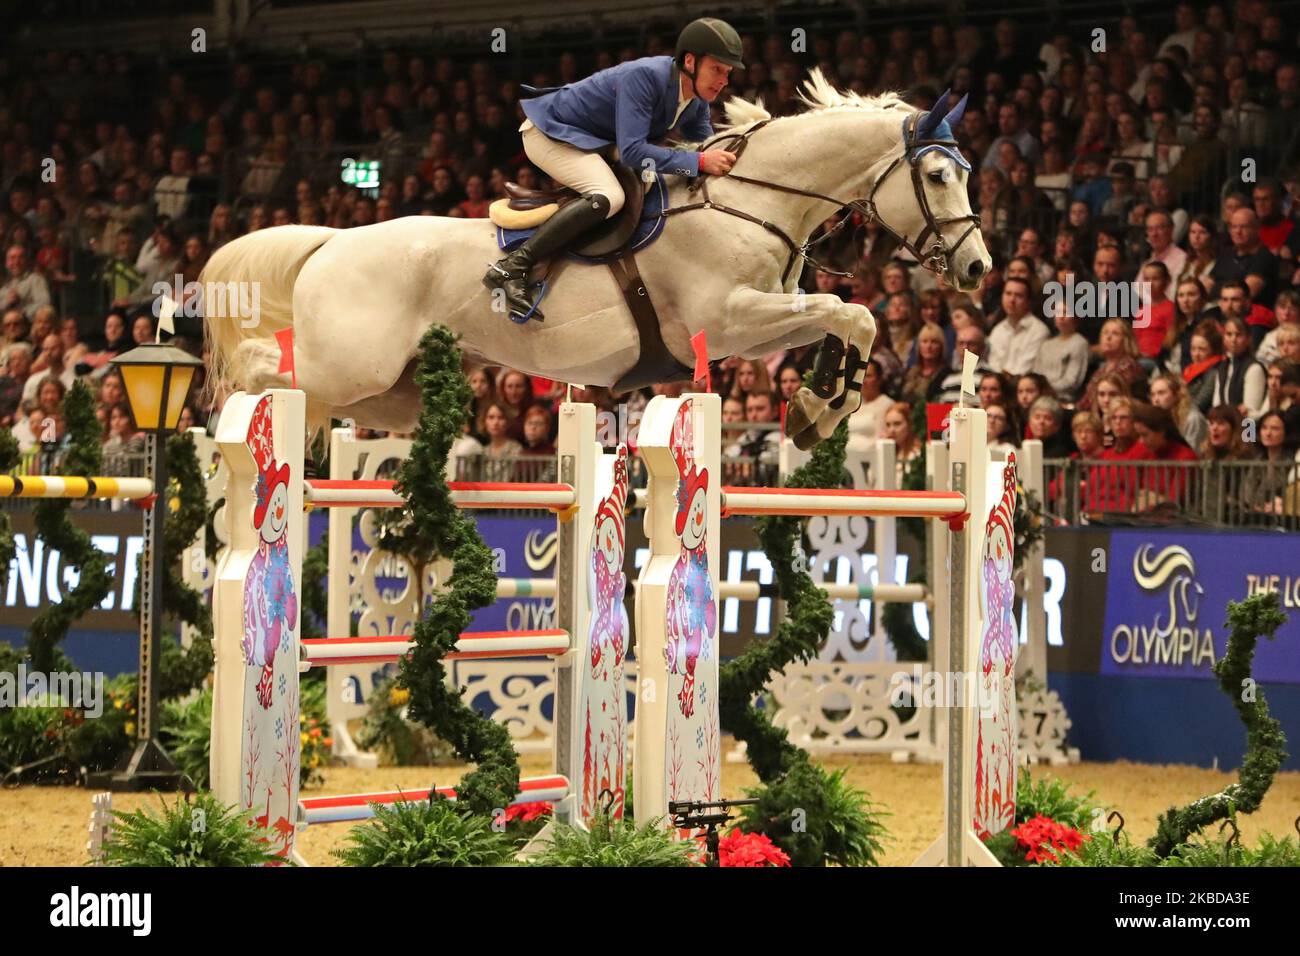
(806, 439)
(796, 421)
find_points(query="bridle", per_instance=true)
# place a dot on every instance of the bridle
(937, 258)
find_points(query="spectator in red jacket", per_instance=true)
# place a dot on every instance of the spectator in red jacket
(1087, 429)
(1155, 318)
(1120, 485)
(1159, 435)
(1275, 229)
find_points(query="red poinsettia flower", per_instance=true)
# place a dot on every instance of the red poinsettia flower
(750, 849)
(528, 812)
(1042, 836)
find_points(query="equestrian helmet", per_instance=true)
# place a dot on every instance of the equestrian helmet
(709, 36)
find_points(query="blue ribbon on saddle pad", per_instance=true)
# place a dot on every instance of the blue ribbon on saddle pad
(647, 231)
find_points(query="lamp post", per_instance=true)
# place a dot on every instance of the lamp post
(157, 378)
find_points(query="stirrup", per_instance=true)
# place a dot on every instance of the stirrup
(518, 319)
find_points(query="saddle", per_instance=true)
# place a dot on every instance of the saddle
(610, 242)
(529, 208)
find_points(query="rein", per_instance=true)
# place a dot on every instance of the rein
(936, 258)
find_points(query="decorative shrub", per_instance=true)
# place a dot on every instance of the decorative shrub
(435, 528)
(1104, 849)
(426, 833)
(614, 843)
(816, 818)
(35, 733)
(207, 833)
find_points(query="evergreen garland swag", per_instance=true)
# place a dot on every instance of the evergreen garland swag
(8, 461)
(1258, 615)
(437, 528)
(84, 458)
(808, 620)
(182, 670)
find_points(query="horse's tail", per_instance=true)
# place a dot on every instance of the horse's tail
(258, 268)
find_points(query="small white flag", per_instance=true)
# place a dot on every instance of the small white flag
(166, 313)
(969, 360)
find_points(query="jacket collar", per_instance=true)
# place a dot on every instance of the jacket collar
(674, 93)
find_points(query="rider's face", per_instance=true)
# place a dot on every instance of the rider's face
(710, 76)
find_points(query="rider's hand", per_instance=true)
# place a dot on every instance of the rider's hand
(717, 162)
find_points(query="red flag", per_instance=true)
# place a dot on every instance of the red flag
(936, 417)
(701, 349)
(285, 338)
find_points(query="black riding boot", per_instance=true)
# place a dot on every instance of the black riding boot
(511, 273)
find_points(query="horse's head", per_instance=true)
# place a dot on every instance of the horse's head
(919, 195)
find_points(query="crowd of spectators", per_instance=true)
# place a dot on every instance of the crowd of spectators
(1168, 158)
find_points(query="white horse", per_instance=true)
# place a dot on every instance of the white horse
(359, 300)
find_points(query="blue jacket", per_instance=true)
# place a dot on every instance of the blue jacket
(625, 104)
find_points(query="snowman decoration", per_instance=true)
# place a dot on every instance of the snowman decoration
(692, 612)
(271, 608)
(995, 767)
(605, 737)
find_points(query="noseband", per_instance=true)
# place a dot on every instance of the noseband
(937, 258)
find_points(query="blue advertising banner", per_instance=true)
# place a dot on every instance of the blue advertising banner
(522, 548)
(1167, 595)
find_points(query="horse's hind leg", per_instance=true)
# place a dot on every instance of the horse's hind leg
(394, 410)
(258, 362)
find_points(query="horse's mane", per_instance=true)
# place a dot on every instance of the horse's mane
(817, 94)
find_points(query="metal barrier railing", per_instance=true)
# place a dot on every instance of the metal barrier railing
(1255, 494)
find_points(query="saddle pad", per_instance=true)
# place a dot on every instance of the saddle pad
(647, 231)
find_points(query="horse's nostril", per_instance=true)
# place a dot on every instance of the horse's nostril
(976, 269)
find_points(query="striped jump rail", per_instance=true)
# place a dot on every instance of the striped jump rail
(472, 645)
(359, 806)
(69, 486)
(746, 590)
(948, 506)
(526, 588)
(885, 593)
(342, 493)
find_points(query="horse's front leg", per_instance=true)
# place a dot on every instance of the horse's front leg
(838, 369)
(850, 330)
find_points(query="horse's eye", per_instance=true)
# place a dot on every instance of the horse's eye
(936, 177)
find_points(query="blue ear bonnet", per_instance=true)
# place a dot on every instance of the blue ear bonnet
(931, 125)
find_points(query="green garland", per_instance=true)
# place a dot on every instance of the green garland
(83, 458)
(1258, 615)
(808, 620)
(436, 527)
(182, 670)
(8, 461)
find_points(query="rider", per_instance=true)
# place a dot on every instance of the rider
(630, 105)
